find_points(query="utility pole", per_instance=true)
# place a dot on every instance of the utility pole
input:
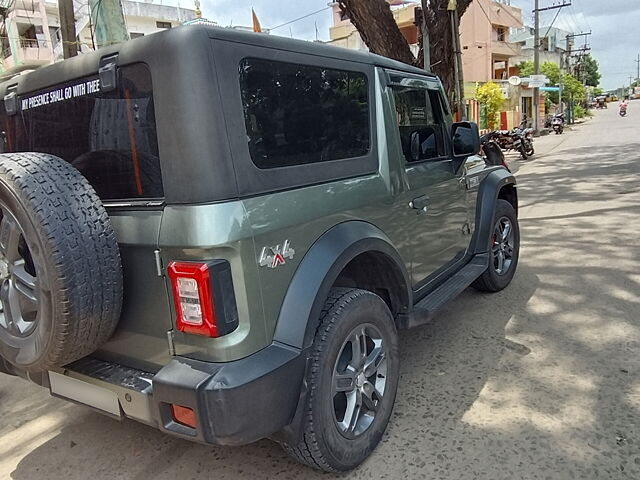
(458, 76)
(421, 23)
(536, 57)
(638, 62)
(68, 28)
(536, 68)
(108, 19)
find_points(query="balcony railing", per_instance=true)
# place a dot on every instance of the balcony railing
(25, 43)
(29, 43)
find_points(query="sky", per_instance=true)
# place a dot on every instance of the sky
(615, 41)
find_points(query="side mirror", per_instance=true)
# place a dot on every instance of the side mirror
(423, 144)
(465, 139)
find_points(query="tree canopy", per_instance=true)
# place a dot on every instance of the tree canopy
(591, 71)
(571, 86)
(374, 21)
(490, 96)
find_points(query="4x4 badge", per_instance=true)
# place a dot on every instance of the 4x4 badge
(273, 256)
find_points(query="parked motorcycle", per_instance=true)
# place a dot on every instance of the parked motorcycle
(527, 141)
(557, 123)
(520, 139)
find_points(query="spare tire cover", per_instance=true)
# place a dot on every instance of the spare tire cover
(60, 269)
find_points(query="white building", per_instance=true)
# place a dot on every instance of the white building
(30, 29)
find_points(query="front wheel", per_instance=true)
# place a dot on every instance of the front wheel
(504, 246)
(353, 380)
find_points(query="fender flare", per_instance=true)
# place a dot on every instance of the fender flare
(486, 205)
(300, 311)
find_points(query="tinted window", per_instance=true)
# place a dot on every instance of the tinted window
(420, 123)
(297, 114)
(110, 137)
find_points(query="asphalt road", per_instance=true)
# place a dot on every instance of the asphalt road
(541, 381)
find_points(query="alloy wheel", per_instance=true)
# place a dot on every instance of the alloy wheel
(359, 380)
(19, 289)
(503, 245)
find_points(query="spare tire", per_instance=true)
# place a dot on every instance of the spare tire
(60, 270)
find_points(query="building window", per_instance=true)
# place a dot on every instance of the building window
(500, 33)
(163, 24)
(300, 114)
(137, 35)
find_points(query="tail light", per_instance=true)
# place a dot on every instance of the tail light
(204, 299)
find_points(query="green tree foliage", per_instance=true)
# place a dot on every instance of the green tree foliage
(490, 96)
(572, 87)
(592, 71)
(525, 68)
(550, 69)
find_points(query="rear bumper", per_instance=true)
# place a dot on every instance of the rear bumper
(235, 403)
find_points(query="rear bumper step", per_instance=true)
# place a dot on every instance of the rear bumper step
(234, 403)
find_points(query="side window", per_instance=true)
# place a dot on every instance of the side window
(420, 123)
(300, 114)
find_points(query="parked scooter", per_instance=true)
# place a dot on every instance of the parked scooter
(557, 123)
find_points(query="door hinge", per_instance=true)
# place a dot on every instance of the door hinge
(172, 346)
(158, 258)
(11, 101)
(107, 73)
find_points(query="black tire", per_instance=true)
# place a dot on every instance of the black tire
(67, 247)
(492, 280)
(523, 152)
(323, 445)
(529, 150)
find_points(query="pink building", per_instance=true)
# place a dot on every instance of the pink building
(487, 55)
(484, 35)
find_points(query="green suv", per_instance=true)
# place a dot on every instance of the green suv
(220, 233)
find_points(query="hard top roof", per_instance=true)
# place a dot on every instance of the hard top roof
(306, 47)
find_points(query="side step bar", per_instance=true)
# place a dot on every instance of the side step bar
(425, 309)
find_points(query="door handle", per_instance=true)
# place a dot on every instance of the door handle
(420, 203)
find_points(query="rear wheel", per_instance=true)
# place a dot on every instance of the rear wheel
(353, 383)
(523, 151)
(529, 150)
(504, 251)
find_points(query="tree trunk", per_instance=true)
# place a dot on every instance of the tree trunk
(374, 21)
(442, 48)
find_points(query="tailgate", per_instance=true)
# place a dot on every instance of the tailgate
(140, 340)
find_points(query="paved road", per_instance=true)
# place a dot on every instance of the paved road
(541, 381)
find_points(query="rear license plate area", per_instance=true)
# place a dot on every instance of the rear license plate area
(84, 393)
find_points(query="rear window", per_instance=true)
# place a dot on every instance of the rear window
(110, 137)
(300, 114)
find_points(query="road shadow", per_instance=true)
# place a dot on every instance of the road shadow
(540, 381)
(444, 366)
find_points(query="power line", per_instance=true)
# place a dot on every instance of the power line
(550, 26)
(300, 18)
